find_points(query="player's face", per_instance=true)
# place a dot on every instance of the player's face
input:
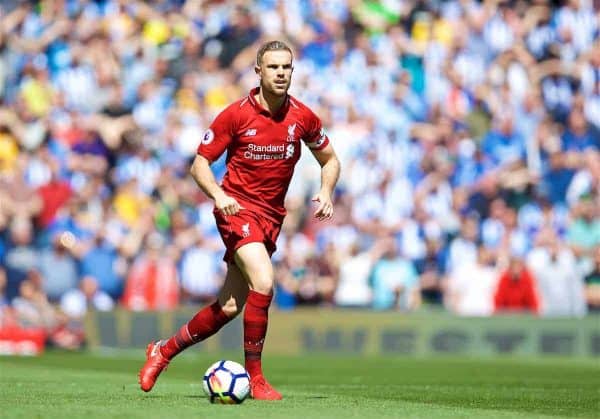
(275, 72)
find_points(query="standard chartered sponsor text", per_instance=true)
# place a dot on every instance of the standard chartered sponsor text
(265, 152)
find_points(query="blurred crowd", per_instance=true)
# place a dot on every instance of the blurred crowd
(468, 133)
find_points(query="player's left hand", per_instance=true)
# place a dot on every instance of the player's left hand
(325, 209)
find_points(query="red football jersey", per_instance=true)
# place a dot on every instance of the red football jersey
(262, 150)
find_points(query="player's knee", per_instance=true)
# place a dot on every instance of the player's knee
(230, 308)
(263, 285)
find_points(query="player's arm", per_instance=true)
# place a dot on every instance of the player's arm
(205, 179)
(330, 172)
(215, 141)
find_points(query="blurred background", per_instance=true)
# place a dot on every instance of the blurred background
(468, 133)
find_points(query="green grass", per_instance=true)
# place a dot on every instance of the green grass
(60, 385)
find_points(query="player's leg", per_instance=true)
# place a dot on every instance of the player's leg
(254, 261)
(204, 324)
(210, 319)
(234, 291)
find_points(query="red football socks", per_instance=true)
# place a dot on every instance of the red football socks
(204, 324)
(256, 316)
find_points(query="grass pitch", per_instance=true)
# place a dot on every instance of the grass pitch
(60, 385)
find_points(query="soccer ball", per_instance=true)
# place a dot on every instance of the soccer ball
(226, 382)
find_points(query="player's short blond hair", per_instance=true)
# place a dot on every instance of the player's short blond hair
(271, 46)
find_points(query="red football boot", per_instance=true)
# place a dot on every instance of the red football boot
(155, 364)
(260, 389)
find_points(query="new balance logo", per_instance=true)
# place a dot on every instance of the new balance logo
(155, 349)
(250, 133)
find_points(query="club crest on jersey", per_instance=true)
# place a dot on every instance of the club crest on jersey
(291, 133)
(246, 230)
(209, 136)
(289, 151)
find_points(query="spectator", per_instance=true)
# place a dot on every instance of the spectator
(395, 282)
(353, 288)
(583, 235)
(516, 290)
(470, 287)
(3, 299)
(431, 270)
(558, 89)
(286, 286)
(58, 266)
(54, 195)
(105, 264)
(559, 280)
(326, 267)
(16, 196)
(199, 272)
(463, 249)
(21, 256)
(579, 137)
(503, 145)
(33, 310)
(592, 285)
(152, 282)
(76, 303)
(586, 180)
(9, 150)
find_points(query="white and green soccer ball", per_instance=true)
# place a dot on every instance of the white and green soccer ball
(226, 382)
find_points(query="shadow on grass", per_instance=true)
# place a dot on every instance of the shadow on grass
(307, 397)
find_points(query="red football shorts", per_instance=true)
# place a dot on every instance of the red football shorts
(246, 227)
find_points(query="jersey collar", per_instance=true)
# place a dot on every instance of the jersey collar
(259, 108)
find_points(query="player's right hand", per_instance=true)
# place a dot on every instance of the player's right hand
(227, 205)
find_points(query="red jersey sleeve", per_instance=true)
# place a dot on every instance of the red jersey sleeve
(218, 136)
(315, 137)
